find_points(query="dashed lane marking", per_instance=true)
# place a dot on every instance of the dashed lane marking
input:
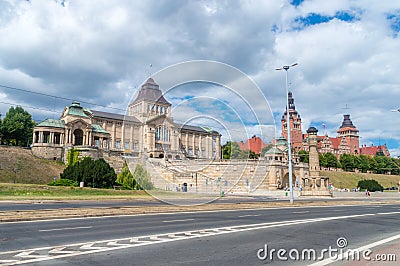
(250, 215)
(173, 221)
(65, 228)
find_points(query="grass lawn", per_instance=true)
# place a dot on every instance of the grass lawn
(32, 191)
(350, 179)
(10, 191)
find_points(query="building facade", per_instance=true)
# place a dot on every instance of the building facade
(347, 140)
(296, 134)
(147, 130)
(254, 144)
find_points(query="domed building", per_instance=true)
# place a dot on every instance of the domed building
(147, 130)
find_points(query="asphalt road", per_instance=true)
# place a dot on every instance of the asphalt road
(61, 204)
(198, 238)
(54, 204)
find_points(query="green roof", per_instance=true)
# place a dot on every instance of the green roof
(52, 123)
(274, 150)
(208, 129)
(76, 109)
(99, 129)
(281, 141)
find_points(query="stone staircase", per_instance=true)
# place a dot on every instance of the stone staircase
(205, 177)
(116, 162)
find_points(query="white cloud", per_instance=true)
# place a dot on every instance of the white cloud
(100, 52)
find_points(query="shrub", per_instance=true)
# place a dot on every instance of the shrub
(64, 183)
(371, 185)
(94, 173)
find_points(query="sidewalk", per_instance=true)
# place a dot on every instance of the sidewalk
(336, 194)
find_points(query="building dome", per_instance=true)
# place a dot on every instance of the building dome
(312, 130)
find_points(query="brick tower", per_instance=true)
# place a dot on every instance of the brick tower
(350, 133)
(296, 134)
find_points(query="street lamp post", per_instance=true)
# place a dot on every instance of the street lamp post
(286, 68)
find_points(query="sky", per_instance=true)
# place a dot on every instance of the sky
(224, 53)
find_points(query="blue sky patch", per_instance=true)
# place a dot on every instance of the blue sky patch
(296, 2)
(314, 18)
(394, 23)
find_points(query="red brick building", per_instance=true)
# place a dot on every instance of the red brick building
(373, 150)
(296, 134)
(254, 144)
(350, 133)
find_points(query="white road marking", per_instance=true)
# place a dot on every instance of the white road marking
(249, 215)
(301, 212)
(102, 246)
(344, 256)
(27, 254)
(60, 250)
(173, 221)
(65, 228)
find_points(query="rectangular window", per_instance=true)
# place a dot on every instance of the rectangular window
(118, 144)
(136, 146)
(126, 145)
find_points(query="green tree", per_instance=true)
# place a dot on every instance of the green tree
(94, 173)
(372, 164)
(362, 163)
(322, 160)
(304, 156)
(17, 127)
(331, 160)
(142, 177)
(348, 162)
(247, 154)
(384, 164)
(125, 178)
(231, 150)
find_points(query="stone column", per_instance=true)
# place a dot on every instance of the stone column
(200, 144)
(131, 140)
(208, 146)
(113, 136)
(34, 137)
(40, 136)
(123, 135)
(141, 138)
(194, 144)
(322, 180)
(187, 142)
(51, 137)
(66, 136)
(218, 148)
(90, 138)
